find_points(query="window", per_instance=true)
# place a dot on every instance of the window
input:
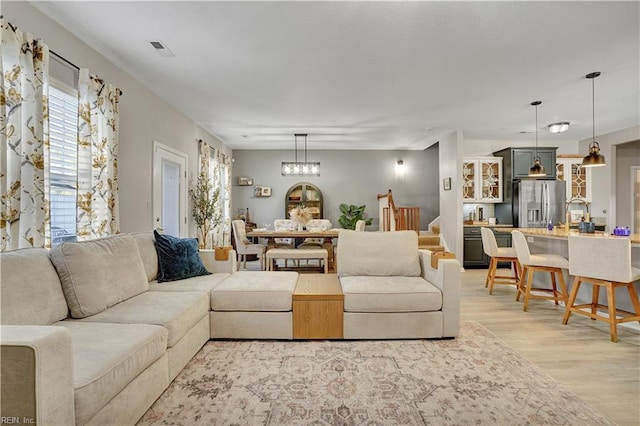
(226, 201)
(217, 164)
(63, 160)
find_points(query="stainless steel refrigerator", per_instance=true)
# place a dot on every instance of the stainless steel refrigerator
(538, 202)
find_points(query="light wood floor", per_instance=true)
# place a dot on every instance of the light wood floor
(579, 355)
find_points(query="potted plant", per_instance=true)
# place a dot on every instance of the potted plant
(204, 198)
(351, 214)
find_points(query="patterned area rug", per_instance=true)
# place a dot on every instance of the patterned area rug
(474, 379)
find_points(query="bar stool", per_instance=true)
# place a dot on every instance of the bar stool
(546, 262)
(602, 262)
(499, 254)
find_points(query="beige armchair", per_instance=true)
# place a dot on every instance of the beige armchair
(244, 246)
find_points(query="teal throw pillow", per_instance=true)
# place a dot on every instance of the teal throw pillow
(178, 258)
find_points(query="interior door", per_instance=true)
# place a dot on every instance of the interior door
(169, 190)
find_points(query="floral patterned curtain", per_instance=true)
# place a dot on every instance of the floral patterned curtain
(223, 172)
(97, 158)
(24, 128)
(218, 167)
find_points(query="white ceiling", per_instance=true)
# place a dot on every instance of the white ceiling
(375, 75)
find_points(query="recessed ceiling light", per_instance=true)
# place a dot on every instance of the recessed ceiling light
(559, 127)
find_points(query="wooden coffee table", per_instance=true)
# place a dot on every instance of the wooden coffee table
(318, 307)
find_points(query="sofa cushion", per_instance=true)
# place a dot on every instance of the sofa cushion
(255, 291)
(390, 294)
(106, 357)
(178, 312)
(178, 258)
(99, 273)
(204, 283)
(147, 248)
(378, 253)
(30, 288)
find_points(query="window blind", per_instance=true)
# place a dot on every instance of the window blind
(63, 160)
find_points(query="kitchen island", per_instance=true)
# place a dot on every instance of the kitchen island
(541, 240)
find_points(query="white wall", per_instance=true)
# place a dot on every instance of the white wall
(351, 177)
(628, 155)
(605, 193)
(144, 117)
(451, 201)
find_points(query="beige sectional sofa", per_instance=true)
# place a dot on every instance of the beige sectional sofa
(88, 336)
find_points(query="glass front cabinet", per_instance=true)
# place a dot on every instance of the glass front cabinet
(482, 180)
(304, 194)
(578, 178)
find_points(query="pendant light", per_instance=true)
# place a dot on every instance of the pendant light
(594, 158)
(296, 168)
(537, 170)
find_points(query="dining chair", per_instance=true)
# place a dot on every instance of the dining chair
(499, 254)
(315, 225)
(315, 243)
(285, 243)
(545, 262)
(602, 262)
(245, 247)
(360, 225)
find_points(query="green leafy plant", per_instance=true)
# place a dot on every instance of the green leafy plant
(351, 214)
(204, 198)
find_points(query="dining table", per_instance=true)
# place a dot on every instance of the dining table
(328, 235)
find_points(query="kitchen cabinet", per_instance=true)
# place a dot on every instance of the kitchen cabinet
(304, 194)
(482, 180)
(518, 161)
(473, 252)
(578, 178)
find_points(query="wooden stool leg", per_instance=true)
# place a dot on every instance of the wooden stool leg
(527, 293)
(517, 268)
(634, 298)
(572, 299)
(554, 287)
(595, 295)
(522, 283)
(488, 278)
(563, 286)
(611, 295)
(493, 264)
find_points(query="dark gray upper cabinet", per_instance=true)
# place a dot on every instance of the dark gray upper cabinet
(518, 161)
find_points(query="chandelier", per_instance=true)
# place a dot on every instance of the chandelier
(297, 168)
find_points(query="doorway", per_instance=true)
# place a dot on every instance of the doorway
(169, 190)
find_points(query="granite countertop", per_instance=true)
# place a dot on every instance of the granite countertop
(485, 223)
(561, 233)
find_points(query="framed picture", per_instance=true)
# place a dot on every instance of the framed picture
(265, 191)
(446, 184)
(245, 181)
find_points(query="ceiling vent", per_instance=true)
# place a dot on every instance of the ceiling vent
(161, 49)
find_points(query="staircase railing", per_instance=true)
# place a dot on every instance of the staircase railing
(394, 218)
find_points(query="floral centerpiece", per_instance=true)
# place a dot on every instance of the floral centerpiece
(300, 215)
